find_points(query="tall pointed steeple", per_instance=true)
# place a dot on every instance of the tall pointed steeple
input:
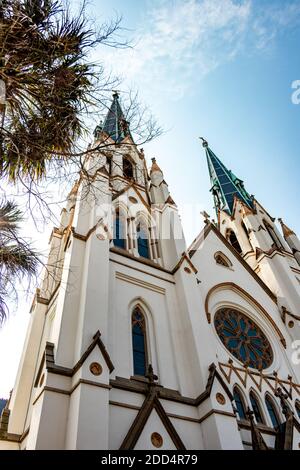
(225, 185)
(115, 124)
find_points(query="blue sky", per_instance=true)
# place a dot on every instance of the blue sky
(221, 69)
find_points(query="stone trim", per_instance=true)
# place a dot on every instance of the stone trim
(142, 271)
(213, 374)
(262, 428)
(150, 403)
(183, 418)
(89, 382)
(140, 283)
(205, 232)
(132, 385)
(145, 261)
(85, 237)
(133, 186)
(233, 286)
(258, 377)
(137, 408)
(124, 405)
(50, 389)
(217, 412)
(184, 257)
(96, 341)
(43, 300)
(51, 366)
(69, 392)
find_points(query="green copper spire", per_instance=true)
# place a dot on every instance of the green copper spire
(225, 185)
(115, 124)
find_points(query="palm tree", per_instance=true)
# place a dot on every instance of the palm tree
(49, 82)
(17, 258)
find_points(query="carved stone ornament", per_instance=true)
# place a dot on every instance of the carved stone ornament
(156, 439)
(96, 368)
(220, 398)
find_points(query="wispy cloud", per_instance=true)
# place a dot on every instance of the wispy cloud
(273, 21)
(179, 42)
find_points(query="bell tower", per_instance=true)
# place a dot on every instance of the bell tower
(253, 233)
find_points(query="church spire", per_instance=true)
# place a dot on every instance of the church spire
(115, 124)
(225, 185)
(291, 239)
(287, 232)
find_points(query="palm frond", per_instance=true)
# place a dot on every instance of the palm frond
(10, 216)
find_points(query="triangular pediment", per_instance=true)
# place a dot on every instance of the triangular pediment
(152, 419)
(48, 360)
(132, 190)
(154, 435)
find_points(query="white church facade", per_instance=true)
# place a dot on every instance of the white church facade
(137, 341)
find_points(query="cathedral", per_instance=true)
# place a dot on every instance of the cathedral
(138, 341)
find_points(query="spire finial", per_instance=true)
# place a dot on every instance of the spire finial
(154, 166)
(287, 232)
(204, 142)
(115, 94)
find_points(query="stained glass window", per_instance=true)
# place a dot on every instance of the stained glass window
(297, 406)
(142, 239)
(138, 343)
(119, 235)
(245, 229)
(231, 237)
(239, 403)
(272, 411)
(127, 168)
(243, 338)
(256, 408)
(276, 240)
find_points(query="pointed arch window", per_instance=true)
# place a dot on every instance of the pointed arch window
(142, 241)
(128, 168)
(271, 407)
(273, 235)
(231, 237)
(297, 406)
(139, 342)
(245, 229)
(109, 163)
(256, 408)
(119, 231)
(239, 403)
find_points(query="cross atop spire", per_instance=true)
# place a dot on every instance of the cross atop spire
(225, 185)
(115, 124)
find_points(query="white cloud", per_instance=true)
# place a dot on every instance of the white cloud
(179, 38)
(271, 22)
(179, 42)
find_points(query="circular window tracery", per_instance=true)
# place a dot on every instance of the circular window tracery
(243, 338)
